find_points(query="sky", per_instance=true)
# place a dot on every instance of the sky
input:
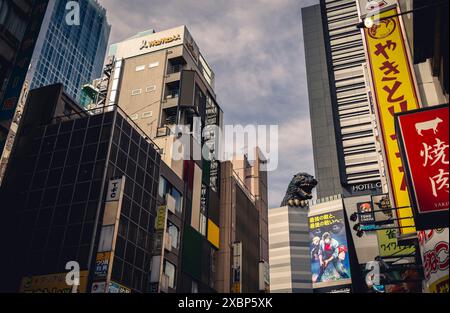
(255, 48)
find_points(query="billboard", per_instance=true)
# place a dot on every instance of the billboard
(53, 283)
(435, 259)
(330, 262)
(424, 144)
(394, 91)
(158, 250)
(102, 262)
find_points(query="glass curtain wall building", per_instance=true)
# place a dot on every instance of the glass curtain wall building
(71, 54)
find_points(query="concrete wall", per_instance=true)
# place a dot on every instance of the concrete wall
(326, 164)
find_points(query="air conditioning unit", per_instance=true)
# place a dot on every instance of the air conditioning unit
(171, 203)
(168, 242)
(164, 284)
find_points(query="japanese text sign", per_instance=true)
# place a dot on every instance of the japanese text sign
(394, 91)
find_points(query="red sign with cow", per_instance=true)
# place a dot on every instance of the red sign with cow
(425, 150)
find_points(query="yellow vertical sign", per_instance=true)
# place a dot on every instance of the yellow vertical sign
(394, 91)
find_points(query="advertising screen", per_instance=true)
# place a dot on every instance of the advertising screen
(330, 263)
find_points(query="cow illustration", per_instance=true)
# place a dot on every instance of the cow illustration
(429, 125)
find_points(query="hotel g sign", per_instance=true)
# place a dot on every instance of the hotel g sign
(159, 42)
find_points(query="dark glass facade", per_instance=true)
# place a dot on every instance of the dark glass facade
(59, 197)
(133, 157)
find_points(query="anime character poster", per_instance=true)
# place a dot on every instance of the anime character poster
(330, 262)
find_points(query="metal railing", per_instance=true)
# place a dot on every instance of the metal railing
(171, 94)
(172, 69)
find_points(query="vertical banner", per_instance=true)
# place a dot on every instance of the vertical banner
(264, 277)
(330, 262)
(158, 250)
(237, 268)
(435, 258)
(424, 139)
(394, 91)
(108, 236)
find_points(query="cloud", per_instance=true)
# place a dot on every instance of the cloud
(256, 51)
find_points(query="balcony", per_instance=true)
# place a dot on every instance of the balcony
(174, 68)
(171, 99)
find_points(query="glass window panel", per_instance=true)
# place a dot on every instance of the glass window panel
(169, 270)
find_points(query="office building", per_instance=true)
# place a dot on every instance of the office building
(20, 22)
(80, 188)
(346, 152)
(243, 256)
(162, 80)
(55, 52)
(70, 54)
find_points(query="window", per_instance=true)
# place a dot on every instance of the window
(15, 24)
(174, 234)
(162, 187)
(134, 117)
(4, 8)
(166, 188)
(140, 68)
(170, 270)
(178, 200)
(150, 89)
(136, 92)
(154, 64)
(147, 114)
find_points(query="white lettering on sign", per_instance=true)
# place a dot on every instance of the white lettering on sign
(364, 187)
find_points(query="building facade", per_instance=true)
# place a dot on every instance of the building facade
(346, 152)
(290, 266)
(243, 257)
(71, 54)
(165, 85)
(69, 159)
(20, 23)
(63, 44)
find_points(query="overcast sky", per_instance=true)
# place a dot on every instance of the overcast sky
(255, 48)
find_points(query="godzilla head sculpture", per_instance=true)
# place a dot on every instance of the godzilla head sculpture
(299, 190)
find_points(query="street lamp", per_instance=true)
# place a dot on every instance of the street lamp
(369, 21)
